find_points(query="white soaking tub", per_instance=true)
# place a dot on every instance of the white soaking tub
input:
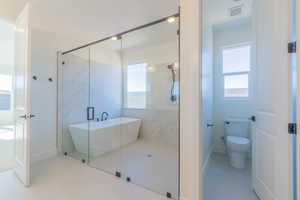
(104, 136)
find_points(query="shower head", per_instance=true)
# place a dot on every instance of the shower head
(171, 66)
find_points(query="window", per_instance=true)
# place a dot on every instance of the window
(136, 85)
(5, 91)
(236, 68)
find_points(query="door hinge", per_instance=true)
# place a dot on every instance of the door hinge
(292, 129)
(292, 47)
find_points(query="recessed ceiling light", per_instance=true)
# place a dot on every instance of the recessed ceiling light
(116, 37)
(171, 19)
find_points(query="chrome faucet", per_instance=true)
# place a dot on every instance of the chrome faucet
(104, 116)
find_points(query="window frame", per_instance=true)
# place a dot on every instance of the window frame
(249, 73)
(125, 85)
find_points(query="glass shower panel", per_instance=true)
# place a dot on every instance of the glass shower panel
(150, 157)
(76, 109)
(106, 98)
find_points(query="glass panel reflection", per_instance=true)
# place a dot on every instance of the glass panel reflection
(106, 98)
(151, 159)
(75, 101)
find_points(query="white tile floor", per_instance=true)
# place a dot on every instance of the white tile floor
(149, 163)
(223, 182)
(63, 178)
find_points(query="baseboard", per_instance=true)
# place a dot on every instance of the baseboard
(206, 162)
(35, 158)
(220, 149)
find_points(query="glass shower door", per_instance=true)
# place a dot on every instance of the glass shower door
(150, 135)
(76, 110)
(120, 106)
(105, 97)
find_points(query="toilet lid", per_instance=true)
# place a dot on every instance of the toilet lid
(238, 140)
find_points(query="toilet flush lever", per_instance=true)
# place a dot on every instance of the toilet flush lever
(252, 118)
(210, 125)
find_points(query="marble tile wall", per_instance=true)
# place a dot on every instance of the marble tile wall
(160, 118)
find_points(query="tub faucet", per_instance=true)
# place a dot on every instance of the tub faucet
(104, 116)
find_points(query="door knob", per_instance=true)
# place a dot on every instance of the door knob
(210, 125)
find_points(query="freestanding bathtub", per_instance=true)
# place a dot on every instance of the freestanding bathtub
(104, 136)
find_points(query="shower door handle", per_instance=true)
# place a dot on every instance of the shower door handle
(90, 113)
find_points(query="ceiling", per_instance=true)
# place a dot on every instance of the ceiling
(9, 9)
(89, 20)
(154, 35)
(218, 10)
(97, 15)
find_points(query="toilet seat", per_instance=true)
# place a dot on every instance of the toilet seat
(238, 140)
(238, 144)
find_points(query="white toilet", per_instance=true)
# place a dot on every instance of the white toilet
(237, 141)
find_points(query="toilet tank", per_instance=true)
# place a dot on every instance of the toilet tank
(237, 127)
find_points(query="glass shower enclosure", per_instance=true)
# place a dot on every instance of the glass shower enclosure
(119, 106)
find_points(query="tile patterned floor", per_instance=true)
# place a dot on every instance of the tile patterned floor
(150, 164)
(223, 182)
(64, 178)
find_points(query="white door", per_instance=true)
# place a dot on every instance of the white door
(22, 100)
(271, 141)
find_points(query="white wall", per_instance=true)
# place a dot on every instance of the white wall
(43, 94)
(6, 116)
(44, 49)
(227, 35)
(6, 62)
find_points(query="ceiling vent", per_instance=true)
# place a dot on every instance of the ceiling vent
(234, 11)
